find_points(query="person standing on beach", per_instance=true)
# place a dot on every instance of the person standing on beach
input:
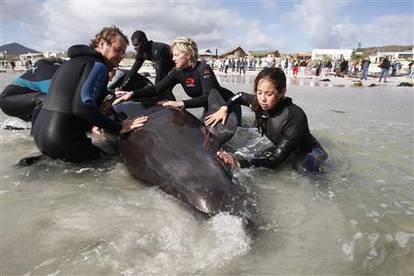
(72, 105)
(157, 52)
(385, 68)
(364, 68)
(410, 71)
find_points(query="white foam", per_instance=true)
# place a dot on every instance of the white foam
(84, 170)
(403, 238)
(348, 249)
(358, 236)
(230, 241)
(372, 214)
(16, 123)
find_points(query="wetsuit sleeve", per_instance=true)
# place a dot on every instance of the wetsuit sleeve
(139, 60)
(208, 81)
(240, 98)
(85, 103)
(292, 132)
(151, 91)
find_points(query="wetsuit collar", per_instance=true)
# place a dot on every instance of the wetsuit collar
(83, 50)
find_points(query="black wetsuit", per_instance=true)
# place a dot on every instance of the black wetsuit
(24, 96)
(286, 125)
(72, 107)
(160, 54)
(197, 83)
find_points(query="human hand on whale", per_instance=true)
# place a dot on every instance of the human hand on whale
(228, 159)
(179, 105)
(131, 124)
(122, 96)
(217, 117)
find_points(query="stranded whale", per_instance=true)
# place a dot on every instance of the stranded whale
(175, 151)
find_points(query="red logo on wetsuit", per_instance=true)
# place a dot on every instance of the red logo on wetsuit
(190, 82)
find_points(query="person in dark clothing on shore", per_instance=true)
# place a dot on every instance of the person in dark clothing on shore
(157, 52)
(385, 68)
(75, 95)
(280, 120)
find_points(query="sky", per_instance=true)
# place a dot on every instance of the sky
(284, 25)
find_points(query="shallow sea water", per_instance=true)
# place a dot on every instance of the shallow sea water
(355, 218)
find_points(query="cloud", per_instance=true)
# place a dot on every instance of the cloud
(387, 30)
(318, 20)
(327, 25)
(56, 25)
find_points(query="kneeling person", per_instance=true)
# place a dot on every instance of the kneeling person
(75, 95)
(277, 117)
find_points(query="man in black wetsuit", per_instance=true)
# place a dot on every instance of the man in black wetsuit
(283, 122)
(157, 52)
(75, 95)
(24, 96)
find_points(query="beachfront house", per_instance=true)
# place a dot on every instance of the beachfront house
(264, 53)
(302, 55)
(235, 53)
(404, 55)
(332, 54)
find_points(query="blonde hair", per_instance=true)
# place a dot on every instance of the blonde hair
(187, 46)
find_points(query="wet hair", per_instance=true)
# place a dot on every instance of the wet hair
(186, 45)
(108, 34)
(138, 38)
(278, 78)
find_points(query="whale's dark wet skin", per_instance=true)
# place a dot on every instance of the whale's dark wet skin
(175, 151)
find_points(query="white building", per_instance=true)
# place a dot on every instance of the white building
(333, 54)
(405, 55)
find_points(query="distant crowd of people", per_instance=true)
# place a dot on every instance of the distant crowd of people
(307, 67)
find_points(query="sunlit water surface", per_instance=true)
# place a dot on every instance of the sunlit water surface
(355, 218)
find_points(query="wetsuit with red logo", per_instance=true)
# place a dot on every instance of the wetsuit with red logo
(197, 83)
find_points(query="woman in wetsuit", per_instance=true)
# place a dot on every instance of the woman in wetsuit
(75, 95)
(197, 79)
(283, 122)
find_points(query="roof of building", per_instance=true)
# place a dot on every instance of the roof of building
(232, 52)
(264, 53)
